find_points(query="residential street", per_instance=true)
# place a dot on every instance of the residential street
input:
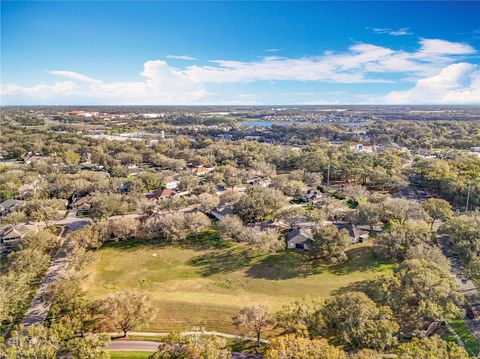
(38, 310)
(467, 287)
(143, 345)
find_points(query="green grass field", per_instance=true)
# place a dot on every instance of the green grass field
(204, 287)
(130, 355)
(472, 345)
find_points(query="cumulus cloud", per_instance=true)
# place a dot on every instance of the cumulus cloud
(455, 84)
(181, 57)
(163, 83)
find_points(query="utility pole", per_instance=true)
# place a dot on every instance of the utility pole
(468, 196)
(328, 174)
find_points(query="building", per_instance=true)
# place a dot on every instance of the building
(9, 206)
(16, 233)
(201, 171)
(221, 212)
(357, 235)
(299, 238)
(81, 204)
(161, 194)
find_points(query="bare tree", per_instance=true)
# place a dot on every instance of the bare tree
(255, 318)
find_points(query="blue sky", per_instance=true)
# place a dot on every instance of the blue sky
(239, 52)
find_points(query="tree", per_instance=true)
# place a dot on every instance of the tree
(428, 290)
(46, 210)
(208, 202)
(40, 342)
(437, 209)
(400, 210)
(330, 243)
(464, 231)
(356, 321)
(368, 213)
(104, 205)
(71, 158)
(231, 227)
(255, 318)
(126, 310)
(121, 229)
(258, 203)
(230, 196)
(196, 222)
(291, 216)
(431, 348)
(419, 292)
(398, 239)
(428, 252)
(58, 340)
(187, 182)
(301, 318)
(267, 241)
(355, 192)
(291, 346)
(170, 226)
(150, 180)
(196, 346)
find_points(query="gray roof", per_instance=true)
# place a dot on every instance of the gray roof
(299, 235)
(10, 203)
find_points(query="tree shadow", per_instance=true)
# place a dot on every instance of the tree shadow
(361, 259)
(284, 265)
(134, 244)
(207, 239)
(366, 286)
(229, 260)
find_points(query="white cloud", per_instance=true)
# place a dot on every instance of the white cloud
(455, 84)
(163, 83)
(272, 50)
(181, 57)
(435, 47)
(400, 32)
(73, 75)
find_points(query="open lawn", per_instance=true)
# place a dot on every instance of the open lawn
(472, 345)
(206, 286)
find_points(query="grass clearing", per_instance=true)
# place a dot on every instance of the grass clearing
(472, 345)
(198, 286)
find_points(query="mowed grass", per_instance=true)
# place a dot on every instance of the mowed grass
(472, 345)
(195, 286)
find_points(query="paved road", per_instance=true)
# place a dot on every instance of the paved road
(472, 295)
(39, 308)
(148, 346)
(204, 332)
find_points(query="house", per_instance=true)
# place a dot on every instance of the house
(357, 235)
(221, 212)
(9, 206)
(15, 233)
(161, 194)
(299, 238)
(81, 204)
(171, 182)
(201, 171)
